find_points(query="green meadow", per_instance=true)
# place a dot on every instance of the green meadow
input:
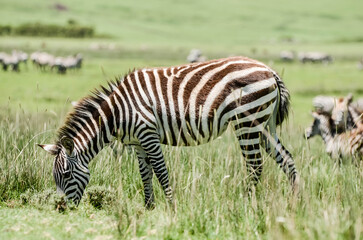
(209, 181)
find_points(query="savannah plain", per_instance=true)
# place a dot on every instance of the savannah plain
(209, 181)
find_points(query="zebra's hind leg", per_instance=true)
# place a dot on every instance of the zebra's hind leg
(282, 157)
(251, 151)
(146, 176)
(151, 145)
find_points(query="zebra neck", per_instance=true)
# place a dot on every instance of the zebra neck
(95, 122)
(90, 140)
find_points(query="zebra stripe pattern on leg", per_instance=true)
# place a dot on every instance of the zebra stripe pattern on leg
(185, 105)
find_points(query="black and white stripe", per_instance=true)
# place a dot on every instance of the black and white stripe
(338, 145)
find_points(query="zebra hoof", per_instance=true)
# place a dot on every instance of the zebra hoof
(150, 205)
(296, 186)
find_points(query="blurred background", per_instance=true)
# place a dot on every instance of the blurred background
(113, 37)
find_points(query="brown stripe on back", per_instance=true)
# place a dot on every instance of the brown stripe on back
(175, 88)
(192, 83)
(132, 81)
(245, 100)
(136, 89)
(175, 70)
(157, 107)
(216, 78)
(164, 91)
(195, 79)
(143, 85)
(138, 93)
(239, 83)
(128, 91)
(168, 72)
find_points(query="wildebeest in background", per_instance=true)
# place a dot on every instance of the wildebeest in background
(315, 57)
(287, 56)
(13, 60)
(360, 64)
(195, 55)
(44, 61)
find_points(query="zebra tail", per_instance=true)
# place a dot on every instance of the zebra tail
(284, 101)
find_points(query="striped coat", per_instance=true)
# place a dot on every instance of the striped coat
(180, 106)
(348, 144)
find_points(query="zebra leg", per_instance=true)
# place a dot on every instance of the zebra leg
(152, 147)
(283, 158)
(250, 146)
(146, 176)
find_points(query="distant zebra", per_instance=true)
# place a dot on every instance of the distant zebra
(343, 145)
(185, 105)
(342, 112)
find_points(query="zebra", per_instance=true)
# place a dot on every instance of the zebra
(344, 145)
(343, 113)
(186, 105)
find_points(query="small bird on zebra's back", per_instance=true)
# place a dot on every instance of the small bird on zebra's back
(184, 105)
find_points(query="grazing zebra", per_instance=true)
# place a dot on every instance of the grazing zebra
(180, 106)
(343, 145)
(341, 110)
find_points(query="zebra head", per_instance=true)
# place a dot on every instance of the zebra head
(320, 126)
(340, 111)
(70, 175)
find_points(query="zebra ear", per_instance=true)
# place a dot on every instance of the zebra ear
(349, 98)
(314, 114)
(51, 148)
(68, 144)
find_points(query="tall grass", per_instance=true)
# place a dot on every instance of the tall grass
(209, 187)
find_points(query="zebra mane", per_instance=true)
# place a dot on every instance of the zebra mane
(85, 105)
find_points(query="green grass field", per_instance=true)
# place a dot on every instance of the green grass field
(209, 181)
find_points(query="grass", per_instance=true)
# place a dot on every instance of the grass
(85, 223)
(209, 181)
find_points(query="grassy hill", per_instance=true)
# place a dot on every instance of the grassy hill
(198, 23)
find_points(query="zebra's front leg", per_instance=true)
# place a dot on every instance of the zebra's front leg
(283, 158)
(146, 176)
(152, 147)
